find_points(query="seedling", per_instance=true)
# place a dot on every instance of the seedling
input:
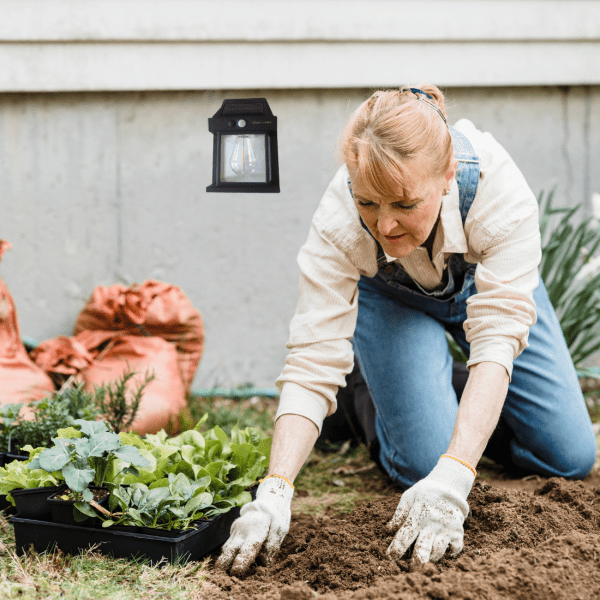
(86, 460)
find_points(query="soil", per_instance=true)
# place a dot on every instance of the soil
(537, 543)
(98, 493)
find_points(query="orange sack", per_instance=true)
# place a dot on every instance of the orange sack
(153, 308)
(98, 358)
(20, 379)
(115, 352)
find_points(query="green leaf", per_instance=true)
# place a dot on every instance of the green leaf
(53, 459)
(186, 469)
(88, 495)
(132, 455)
(68, 433)
(180, 485)
(34, 464)
(191, 438)
(133, 439)
(164, 482)
(82, 511)
(198, 502)
(131, 470)
(201, 421)
(77, 479)
(100, 443)
(82, 447)
(90, 428)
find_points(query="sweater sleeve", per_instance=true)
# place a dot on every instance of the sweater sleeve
(331, 262)
(504, 239)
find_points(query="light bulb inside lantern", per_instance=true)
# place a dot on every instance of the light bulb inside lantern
(243, 158)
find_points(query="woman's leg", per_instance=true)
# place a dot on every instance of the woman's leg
(551, 429)
(404, 358)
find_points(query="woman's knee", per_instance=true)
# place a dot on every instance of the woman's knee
(571, 458)
(406, 469)
(576, 461)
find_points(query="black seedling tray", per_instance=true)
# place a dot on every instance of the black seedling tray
(9, 457)
(192, 544)
(33, 503)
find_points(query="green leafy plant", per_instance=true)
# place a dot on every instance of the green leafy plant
(10, 420)
(86, 459)
(171, 506)
(191, 465)
(17, 475)
(56, 411)
(118, 405)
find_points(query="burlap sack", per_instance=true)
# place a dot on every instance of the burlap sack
(153, 308)
(114, 353)
(20, 379)
(101, 357)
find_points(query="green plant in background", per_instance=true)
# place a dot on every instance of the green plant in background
(228, 413)
(113, 401)
(117, 404)
(56, 412)
(10, 420)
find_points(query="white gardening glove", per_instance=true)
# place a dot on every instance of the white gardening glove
(262, 524)
(432, 512)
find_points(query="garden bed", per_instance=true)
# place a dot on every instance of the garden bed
(518, 544)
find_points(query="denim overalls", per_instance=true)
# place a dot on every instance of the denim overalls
(401, 348)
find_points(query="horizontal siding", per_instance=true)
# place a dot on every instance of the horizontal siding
(120, 45)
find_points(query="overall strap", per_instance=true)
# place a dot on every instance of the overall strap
(467, 171)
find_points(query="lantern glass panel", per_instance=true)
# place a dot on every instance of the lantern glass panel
(243, 158)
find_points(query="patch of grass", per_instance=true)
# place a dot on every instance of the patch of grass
(227, 412)
(594, 410)
(339, 482)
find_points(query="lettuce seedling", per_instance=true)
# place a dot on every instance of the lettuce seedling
(17, 475)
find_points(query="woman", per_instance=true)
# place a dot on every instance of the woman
(425, 229)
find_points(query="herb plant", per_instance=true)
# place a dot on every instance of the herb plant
(118, 405)
(10, 420)
(56, 411)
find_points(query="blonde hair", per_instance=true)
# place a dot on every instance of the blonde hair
(387, 132)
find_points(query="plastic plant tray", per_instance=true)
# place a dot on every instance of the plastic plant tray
(192, 544)
(33, 503)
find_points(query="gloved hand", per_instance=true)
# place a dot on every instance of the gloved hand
(433, 511)
(262, 524)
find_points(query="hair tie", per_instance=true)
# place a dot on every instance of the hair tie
(419, 94)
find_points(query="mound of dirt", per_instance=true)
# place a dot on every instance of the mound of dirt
(518, 544)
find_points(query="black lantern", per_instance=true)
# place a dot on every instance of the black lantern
(245, 147)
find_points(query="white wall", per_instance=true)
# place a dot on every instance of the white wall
(68, 45)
